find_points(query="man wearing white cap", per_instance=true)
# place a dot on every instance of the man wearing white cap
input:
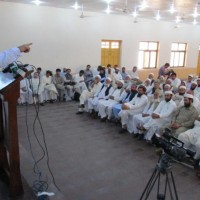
(127, 82)
(160, 116)
(189, 82)
(178, 97)
(135, 106)
(144, 117)
(105, 106)
(105, 92)
(148, 85)
(88, 93)
(184, 117)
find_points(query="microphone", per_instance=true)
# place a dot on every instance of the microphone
(17, 69)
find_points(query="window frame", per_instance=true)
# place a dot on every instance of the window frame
(179, 52)
(148, 50)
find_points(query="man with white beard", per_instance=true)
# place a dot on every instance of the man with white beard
(37, 89)
(105, 106)
(178, 97)
(141, 119)
(135, 106)
(127, 82)
(105, 92)
(160, 116)
(88, 93)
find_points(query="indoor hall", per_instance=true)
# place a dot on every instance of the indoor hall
(88, 158)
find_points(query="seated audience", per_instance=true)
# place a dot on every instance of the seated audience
(50, 91)
(134, 74)
(25, 92)
(89, 93)
(141, 118)
(189, 82)
(59, 81)
(105, 91)
(129, 95)
(37, 89)
(178, 97)
(123, 73)
(79, 82)
(116, 76)
(160, 116)
(105, 106)
(184, 117)
(135, 106)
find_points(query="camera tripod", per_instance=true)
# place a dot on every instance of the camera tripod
(163, 167)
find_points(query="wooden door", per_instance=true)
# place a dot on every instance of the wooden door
(110, 52)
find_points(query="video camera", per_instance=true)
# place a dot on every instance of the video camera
(172, 146)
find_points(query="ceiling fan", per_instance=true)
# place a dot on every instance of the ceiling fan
(82, 13)
(125, 9)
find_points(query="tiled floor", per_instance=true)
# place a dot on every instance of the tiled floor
(89, 159)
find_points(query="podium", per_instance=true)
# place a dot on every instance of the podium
(9, 143)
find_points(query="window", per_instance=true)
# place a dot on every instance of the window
(148, 53)
(178, 54)
(114, 45)
(104, 45)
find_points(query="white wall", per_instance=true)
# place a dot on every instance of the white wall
(62, 39)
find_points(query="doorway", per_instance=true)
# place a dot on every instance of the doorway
(110, 52)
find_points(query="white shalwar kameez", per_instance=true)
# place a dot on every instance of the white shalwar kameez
(93, 102)
(37, 89)
(139, 120)
(80, 83)
(105, 106)
(86, 94)
(25, 92)
(50, 91)
(165, 111)
(136, 105)
(191, 139)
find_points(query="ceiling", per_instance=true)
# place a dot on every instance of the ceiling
(184, 8)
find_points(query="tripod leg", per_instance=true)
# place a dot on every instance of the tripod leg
(168, 183)
(174, 185)
(147, 188)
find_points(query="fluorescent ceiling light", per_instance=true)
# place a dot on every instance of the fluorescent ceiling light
(158, 16)
(135, 14)
(37, 2)
(108, 1)
(76, 6)
(172, 9)
(194, 22)
(178, 19)
(195, 14)
(108, 10)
